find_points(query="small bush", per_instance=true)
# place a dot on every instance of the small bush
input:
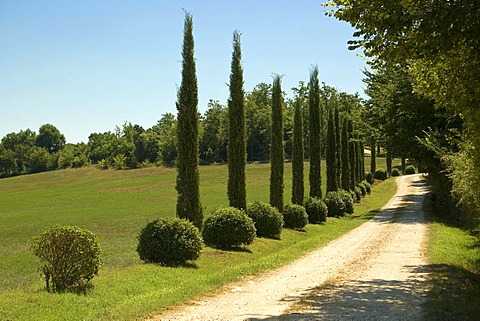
(295, 217)
(358, 193)
(395, 172)
(348, 200)
(70, 257)
(316, 210)
(335, 203)
(368, 186)
(228, 227)
(267, 219)
(380, 174)
(363, 188)
(169, 242)
(410, 169)
(369, 177)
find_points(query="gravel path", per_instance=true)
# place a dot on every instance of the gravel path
(375, 272)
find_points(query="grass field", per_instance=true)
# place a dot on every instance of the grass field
(115, 205)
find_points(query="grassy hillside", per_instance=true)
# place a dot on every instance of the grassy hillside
(115, 205)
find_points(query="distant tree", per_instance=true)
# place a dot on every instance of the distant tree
(297, 156)
(345, 156)
(332, 182)
(373, 155)
(214, 140)
(258, 122)
(50, 138)
(237, 158)
(338, 145)
(277, 156)
(166, 129)
(352, 156)
(188, 188)
(315, 177)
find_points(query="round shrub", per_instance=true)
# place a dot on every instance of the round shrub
(295, 217)
(169, 242)
(369, 177)
(380, 174)
(368, 186)
(358, 193)
(395, 172)
(70, 257)
(348, 200)
(335, 204)
(228, 227)
(410, 169)
(316, 210)
(363, 188)
(267, 219)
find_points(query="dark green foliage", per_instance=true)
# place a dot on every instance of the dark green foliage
(228, 227)
(338, 147)
(314, 144)
(237, 158)
(395, 172)
(345, 156)
(368, 186)
(277, 157)
(348, 200)
(267, 219)
(361, 156)
(358, 193)
(316, 210)
(352, 156)
(380, 174)
(363, 188)
(369, 177)
(389, 163)
(335, 204)
(295, 217)
(50, 138)
(373, 156)
(298, 189)
(169, 242)
(188, 202)
(70, 257)
(410, 169)
(332, 182)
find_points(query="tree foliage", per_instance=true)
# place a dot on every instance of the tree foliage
(277, 157)
(298, 190)
(315, 177)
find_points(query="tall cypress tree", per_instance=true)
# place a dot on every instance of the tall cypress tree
(338, 146)
(373, 158)
(331, 154)
(297, 155)
(188, 201)
(351, 155)
(362, 159)
(237, 154)
(315, 176)
(389, 163)
(277, 157)
(345, 157)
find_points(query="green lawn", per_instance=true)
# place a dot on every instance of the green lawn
(115, 205)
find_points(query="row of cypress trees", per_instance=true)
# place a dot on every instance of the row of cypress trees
(344, 164)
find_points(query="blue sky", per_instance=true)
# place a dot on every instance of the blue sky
(87, 66)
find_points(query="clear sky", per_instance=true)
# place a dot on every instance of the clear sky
(87, 66)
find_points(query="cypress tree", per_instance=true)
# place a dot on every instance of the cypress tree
(237, 158)
(357, 160)
(331, 154)
(389, 163)
(188, 201)
(315, 177)
(338, 146)
(345, 157)
(297, 155)
(362, 160)
(277, 156)
(351, 155)
(373, 158)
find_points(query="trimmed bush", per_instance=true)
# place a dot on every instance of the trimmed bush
(358, 193)
(316, 210)
(70, 257)
(169, 242)
(348, 200)
(295, 217)
(335, 204)
(267, 219)
(369, 177)
(395, 172)
(410, 169)
(228, 227)
(368, 186)
(363, 188)
(380, 174)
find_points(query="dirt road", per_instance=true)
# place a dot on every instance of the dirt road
(375, 272)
